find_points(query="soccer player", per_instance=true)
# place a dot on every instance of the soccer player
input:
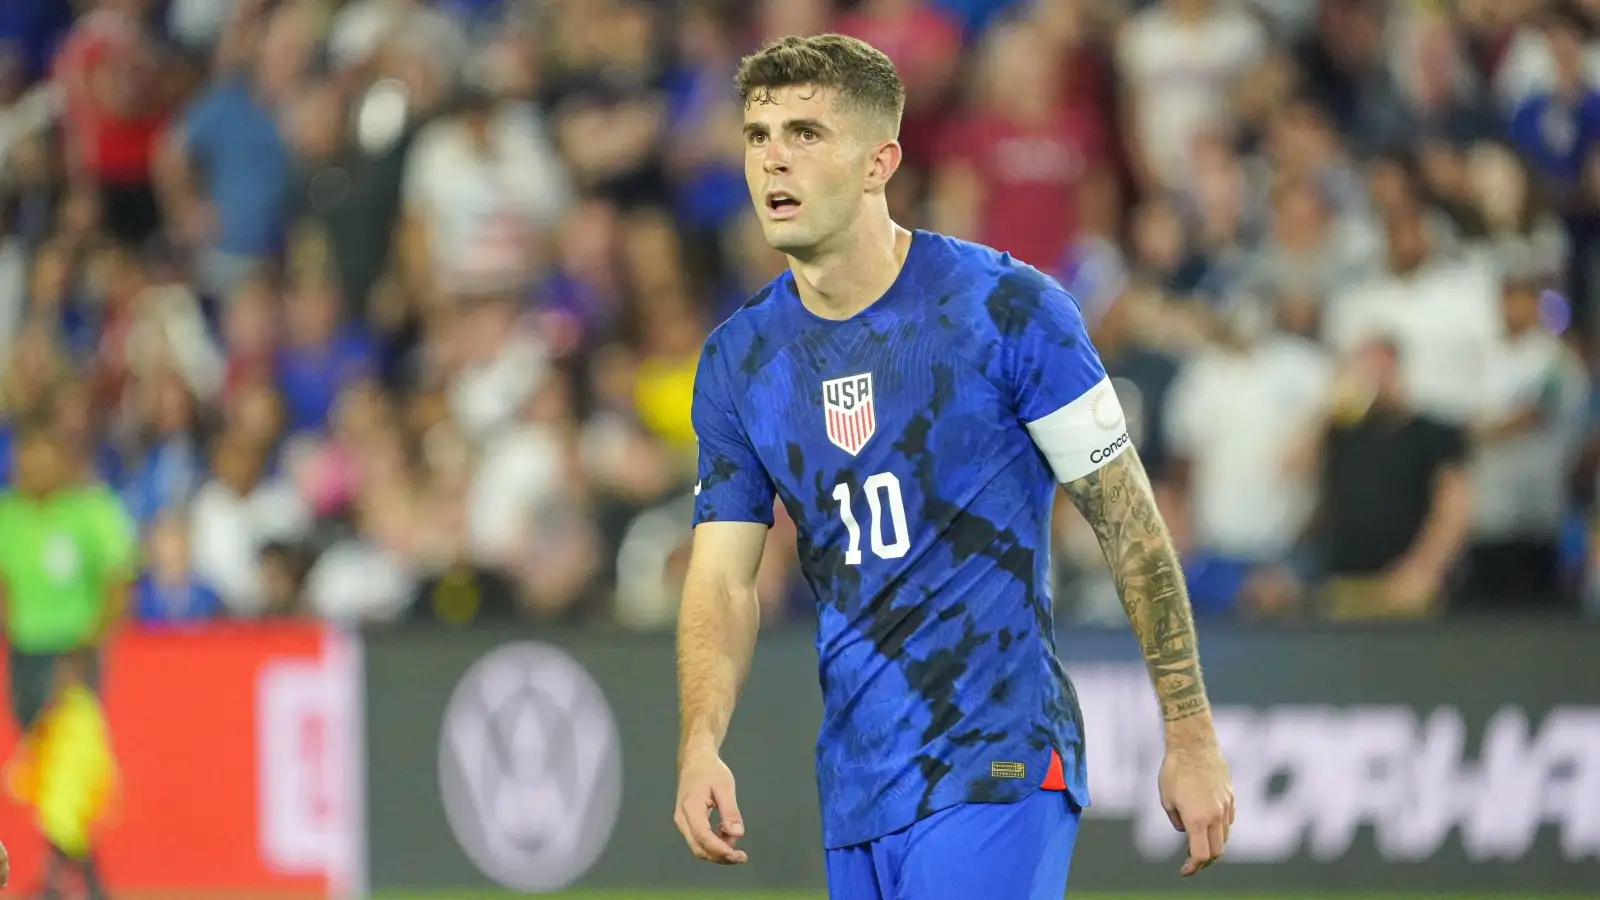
(913, 400)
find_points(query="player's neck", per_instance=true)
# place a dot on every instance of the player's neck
(846, 278)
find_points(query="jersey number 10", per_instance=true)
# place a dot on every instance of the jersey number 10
(877, 488)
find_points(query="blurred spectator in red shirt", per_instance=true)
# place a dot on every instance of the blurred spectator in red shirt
(924, 43)
(1013, 164)
(116, 103)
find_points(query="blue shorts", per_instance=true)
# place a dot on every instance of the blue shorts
(1015, 851)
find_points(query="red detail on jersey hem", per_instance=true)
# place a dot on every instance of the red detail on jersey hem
(1056, 778)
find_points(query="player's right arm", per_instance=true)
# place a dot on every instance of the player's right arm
(719, 614)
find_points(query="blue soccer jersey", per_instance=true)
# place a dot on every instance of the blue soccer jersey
(917, 446)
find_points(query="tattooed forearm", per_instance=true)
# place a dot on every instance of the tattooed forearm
(1118, 503)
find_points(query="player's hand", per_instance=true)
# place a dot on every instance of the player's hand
(5, 866)
(1198, 797)
(705, 783)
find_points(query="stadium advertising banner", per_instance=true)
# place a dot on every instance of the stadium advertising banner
(236, 751)
(1396, 760)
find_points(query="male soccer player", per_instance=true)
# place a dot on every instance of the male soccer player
(912, 400)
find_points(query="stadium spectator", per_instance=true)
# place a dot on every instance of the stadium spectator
(234, 515)
(1301, 256)
(1012, 164)
(482, 187)
(225, 171)
(169, 593)
(1179, 60)
(117, 94)
(347, 185)
(167, 463)
(321, 355)
(368, 576)
(1523, 240)
(1236, 417)
(1396, 499)
(1142, 373)
(1441, 311)
(1528, 439)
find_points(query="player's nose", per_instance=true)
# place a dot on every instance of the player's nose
(775, 158)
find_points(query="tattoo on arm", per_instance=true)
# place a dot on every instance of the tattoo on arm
(1120, 506)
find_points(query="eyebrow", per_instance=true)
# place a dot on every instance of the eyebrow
(788, 125)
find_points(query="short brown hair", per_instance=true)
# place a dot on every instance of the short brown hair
(863, 77)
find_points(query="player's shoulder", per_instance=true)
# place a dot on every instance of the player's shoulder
(997, 292)
(745, 340)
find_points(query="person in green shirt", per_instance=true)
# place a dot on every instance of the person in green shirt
(67, 555)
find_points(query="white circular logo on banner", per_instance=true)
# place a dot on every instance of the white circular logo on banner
(530, 767)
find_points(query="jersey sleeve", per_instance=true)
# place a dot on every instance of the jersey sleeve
(1060, 388)
(733, 484)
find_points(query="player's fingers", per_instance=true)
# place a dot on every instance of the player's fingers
(728, 810)
(715, 848)
(1217, 837)
(681, 820)
(1174, 818)
(705, 843)
(1199, 847)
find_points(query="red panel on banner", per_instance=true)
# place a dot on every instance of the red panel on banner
(233, 746)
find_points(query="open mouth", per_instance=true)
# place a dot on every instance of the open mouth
(781, 205)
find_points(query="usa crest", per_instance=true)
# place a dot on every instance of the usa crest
(847, 407)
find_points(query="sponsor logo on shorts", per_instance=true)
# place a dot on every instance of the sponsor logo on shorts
(530, 767)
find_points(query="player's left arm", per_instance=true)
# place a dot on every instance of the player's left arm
(1118, 503)
(1066, 400)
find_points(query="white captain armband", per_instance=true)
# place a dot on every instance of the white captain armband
(1083, 435)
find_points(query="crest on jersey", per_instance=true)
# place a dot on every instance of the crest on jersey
(847, 408)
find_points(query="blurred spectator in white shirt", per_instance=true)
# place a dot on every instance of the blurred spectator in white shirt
(1180, 59)
(482, 187)
(235, 515)
(1301, 253)
(1528, 439)
(1236, 416)
(1522, 238)
(370, 576)
(1443, 314)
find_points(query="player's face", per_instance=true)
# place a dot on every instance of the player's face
(806, 166)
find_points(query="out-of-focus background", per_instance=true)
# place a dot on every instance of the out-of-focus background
(381, 317)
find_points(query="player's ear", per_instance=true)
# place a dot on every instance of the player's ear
(882, 164)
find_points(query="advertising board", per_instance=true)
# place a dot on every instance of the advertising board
(1465, 758)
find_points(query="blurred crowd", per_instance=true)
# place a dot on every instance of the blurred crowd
(389, 310)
